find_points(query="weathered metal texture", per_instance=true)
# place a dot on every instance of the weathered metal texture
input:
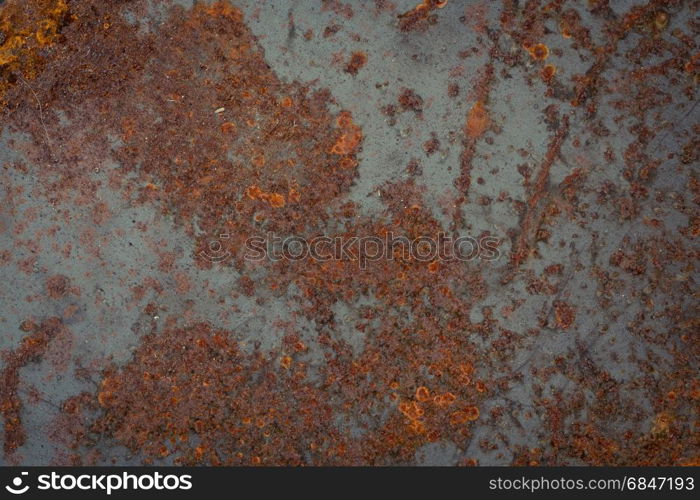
(144, 142)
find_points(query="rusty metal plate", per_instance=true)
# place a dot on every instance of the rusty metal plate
(360, 232)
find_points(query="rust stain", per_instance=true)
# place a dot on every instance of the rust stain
(478, 120)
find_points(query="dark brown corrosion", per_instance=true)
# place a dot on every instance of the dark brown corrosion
(356, 62)
(203, 128)
(224, 407)
(420, 16)
(30, 350)
(522, 246)
(476, 124)
(288, 155)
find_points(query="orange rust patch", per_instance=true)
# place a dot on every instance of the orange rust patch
(548, 72)
(445, 399)
(417, 426)
(286, 362)
(350, 137)
(275, 200)
(228, 128)
(472, 413)
(478, 120)
(410, 20)
(422, 394)
(411, 410)
(253, 192)
(224, 9)
(108, 387)
(27, 28)
(539, 52)
(468, 414)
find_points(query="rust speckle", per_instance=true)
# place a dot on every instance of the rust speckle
(539, 52)
(356, 62)
(564, 315)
